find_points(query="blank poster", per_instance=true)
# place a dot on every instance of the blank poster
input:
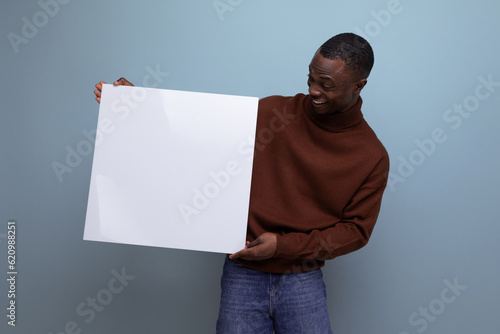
(172, 169)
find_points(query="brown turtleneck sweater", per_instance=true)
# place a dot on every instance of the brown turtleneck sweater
(317, 182)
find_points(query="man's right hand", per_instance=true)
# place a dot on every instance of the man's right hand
(120, 82)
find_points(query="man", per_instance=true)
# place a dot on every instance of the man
(318, 177)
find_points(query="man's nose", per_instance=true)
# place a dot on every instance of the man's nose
(314, 91)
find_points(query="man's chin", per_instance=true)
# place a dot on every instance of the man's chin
(321, 109)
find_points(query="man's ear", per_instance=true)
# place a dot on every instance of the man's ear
(360, 85)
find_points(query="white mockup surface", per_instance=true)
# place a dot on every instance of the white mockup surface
(172, 169)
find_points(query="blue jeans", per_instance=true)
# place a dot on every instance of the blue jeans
(256, 302)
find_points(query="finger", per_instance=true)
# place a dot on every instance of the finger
(97, 93)
(234, 255)
(122, 81)
(239, 254)
(98, 99)
(99, 85)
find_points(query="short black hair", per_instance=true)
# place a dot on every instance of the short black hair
(354, 50)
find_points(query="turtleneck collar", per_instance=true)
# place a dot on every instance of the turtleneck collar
(335, 122)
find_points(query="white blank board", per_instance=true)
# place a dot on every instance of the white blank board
(172, 169)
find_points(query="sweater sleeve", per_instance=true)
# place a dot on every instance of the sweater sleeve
(349, 234)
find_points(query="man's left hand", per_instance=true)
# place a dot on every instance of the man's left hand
(264, 247)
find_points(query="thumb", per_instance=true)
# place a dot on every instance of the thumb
(254, 243)
(122, 81)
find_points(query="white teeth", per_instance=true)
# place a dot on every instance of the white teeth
(318, 102)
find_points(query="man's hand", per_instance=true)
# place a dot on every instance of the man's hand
(120, 82)
(264, 247)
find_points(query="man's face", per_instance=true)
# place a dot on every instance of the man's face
(331, 86)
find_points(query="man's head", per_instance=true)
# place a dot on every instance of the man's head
(338, 73)
(354, 50)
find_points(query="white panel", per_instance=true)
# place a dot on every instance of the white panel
(172, 169)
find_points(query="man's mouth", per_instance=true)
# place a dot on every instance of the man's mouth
(318, 102)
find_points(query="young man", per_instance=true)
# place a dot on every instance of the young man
(318, 177)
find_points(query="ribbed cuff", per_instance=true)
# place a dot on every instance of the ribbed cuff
(284, 247)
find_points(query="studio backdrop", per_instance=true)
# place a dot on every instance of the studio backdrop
(433, 98)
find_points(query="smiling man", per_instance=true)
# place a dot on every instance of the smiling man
(318, 177)
(317, 186)
(333, 87)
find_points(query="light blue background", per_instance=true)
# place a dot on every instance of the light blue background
(439, 225)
